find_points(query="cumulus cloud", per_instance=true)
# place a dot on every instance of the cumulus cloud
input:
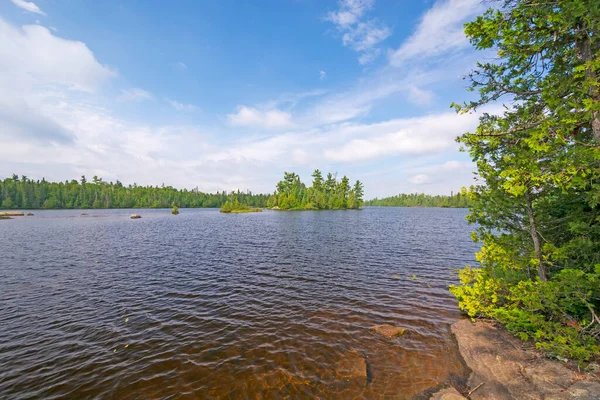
(28, 6)
(358, 32)
(34, 53)
(40, 71)
(253, 117)
(439, 31)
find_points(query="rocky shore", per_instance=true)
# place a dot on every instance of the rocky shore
(503, 367)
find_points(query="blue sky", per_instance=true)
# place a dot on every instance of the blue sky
(226, 94)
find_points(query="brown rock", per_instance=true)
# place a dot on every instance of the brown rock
(390, 331)
(504, 367)
(351, 365)
(447, 394)
(135, 216)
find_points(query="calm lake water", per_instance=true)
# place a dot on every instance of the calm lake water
(208, 305)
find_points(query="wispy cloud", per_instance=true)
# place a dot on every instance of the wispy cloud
(439, 31)
(181, 106)
(28, 6)
(253, 117)
(322, 75)
(133, 94)
(360, 33)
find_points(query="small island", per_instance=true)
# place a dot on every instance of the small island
(324, 194)
(235, 207)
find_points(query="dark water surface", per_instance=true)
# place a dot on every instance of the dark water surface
(260, 305)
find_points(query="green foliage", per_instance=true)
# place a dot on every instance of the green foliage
(27, 193)
(292, 194)
(175, 210)
(554, 313)
(236, 206)
(537, 210)
(459, 200)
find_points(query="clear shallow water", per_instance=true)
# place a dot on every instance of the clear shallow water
(259, 305)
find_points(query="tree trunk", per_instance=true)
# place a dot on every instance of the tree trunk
(590, 74)
(535, 236)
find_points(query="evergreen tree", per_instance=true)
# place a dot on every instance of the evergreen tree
(537, 209)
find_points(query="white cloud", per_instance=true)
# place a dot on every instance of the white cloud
(440, 31)
(250, 116)
(415, 136)
(28, 6)
(44, 107)
(419, 179)
(358, 33)
(322, 75)
(350, 12)
(39, 71)
(134, 94)
(181, 106)
(33, 55)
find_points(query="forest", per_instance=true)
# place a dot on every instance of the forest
(458, 200)
(324, 194)
(25, 193)
(536, 209)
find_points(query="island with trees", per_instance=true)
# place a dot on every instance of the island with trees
(324, 194)
(237, 207)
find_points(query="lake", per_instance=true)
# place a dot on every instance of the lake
(210, 305)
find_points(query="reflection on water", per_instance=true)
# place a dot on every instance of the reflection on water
(206, 305)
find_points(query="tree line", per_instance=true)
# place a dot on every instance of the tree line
(537, 210)
(324, 194)
(24, 193)
(458, 200)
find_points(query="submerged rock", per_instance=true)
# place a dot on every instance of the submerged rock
(29, 214)
(351, 365)
(135, 216)
(389, 331)
(448, 393)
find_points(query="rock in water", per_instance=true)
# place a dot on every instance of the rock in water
(449, 393)
(389, 331)
(351, 365)
(135, 216)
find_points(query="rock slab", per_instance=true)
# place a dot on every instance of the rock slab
(503, 367)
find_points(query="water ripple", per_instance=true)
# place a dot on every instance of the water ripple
(205, 305)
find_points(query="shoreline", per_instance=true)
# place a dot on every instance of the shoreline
(501, 366)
